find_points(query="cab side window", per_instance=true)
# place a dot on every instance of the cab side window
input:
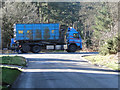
(76, 35)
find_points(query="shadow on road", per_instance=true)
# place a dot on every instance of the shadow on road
(64, 73)
(56, 53)
(48, 63)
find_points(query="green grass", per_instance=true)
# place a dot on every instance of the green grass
(0, 87)
(109, 61)
(9, 75)
(13, 60)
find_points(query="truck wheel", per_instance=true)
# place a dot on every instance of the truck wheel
(67, 50)
(72, 48)
(36, 49)
(25, 48)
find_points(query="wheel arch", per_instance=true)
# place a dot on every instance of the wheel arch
(73, 44)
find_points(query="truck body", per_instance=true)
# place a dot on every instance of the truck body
(35, 37)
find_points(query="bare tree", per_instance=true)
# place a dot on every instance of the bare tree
(16, 12)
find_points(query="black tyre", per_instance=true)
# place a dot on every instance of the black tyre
(36, 49)
(25, 48)
(67, 50)
(72, 48)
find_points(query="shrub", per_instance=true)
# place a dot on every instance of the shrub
(111, 46)
(104, 50)
(88, 43)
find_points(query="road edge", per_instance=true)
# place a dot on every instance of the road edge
(97, 64)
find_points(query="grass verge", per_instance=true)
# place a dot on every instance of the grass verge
(13, 60)
(110, 61)
(8, 76)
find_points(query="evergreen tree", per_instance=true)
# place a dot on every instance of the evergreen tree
(102, 24)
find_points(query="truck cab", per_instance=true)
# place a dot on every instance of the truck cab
(74, 41)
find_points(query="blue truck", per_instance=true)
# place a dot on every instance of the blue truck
(35, 37)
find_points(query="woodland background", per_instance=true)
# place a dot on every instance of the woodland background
(97, 22)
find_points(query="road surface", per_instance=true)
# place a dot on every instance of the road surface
(63, 70)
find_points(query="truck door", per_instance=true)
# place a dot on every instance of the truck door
(76, 38)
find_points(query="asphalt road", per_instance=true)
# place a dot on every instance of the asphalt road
(64, 70)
